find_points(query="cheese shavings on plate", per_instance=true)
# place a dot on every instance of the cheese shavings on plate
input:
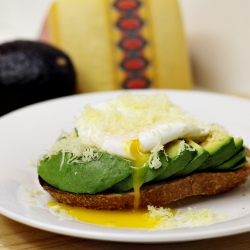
(189, 217)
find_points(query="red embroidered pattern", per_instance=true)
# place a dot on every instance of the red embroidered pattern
(132, 43)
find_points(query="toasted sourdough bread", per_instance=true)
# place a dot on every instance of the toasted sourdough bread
(156, 194)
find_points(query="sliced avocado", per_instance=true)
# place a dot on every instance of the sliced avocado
(238, 146)
(238, 143)
(200, 157)
(220, 150)
(239, 164)
(180, 154)
(232, 162)
(88, 177)
(153, 173)
(124, 185)
(127, 183)
(145, 174)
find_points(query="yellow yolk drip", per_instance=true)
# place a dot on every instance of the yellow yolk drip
(137, 218)
(125, 219)
(139, 162)
(140, 158)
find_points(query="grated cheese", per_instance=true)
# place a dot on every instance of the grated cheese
(185, 218)
(153, 120)
(184, 146)
(62, 214)
(69, 143)
(154, 160)
(181, 147)
(127, 111)
(129, 115)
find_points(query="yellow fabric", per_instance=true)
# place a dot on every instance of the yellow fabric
(86, 30)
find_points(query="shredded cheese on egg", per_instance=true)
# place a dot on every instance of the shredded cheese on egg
(110, 125)
(129, 115)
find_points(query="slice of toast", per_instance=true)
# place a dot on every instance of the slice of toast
(156, 194)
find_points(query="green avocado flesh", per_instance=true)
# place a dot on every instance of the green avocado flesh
(232, 162)
(88, 177)
(219, 150)
(178, 159)
(109, 172)
(145, 173)
(200, 157)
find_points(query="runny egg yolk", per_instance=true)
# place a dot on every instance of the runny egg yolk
(123, 219)
(137, 218)
(140, 159)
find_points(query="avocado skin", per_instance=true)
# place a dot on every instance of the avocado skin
(31, 72)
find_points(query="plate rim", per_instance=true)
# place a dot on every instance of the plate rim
(51, 228)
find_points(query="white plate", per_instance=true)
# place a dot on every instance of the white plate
(28, 132)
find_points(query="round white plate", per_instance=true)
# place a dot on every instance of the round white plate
(30, 131)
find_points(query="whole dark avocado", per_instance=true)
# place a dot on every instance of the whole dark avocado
(31, 72)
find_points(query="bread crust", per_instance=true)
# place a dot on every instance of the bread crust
(156, 194)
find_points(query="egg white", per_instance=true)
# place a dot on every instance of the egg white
(113, 125)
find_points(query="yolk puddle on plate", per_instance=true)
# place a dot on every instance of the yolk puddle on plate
(137, 218)
(126, 219)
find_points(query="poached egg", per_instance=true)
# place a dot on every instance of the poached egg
(136, 126)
